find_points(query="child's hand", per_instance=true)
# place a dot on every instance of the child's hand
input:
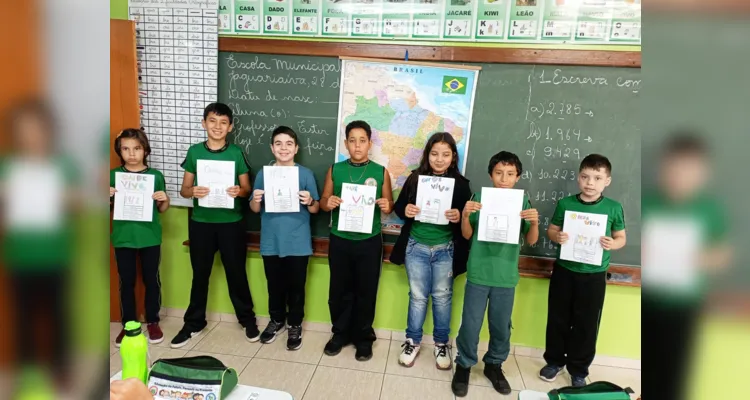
(531, 215)
(606, 242)
(562, 237)
(304, 198)
(333, 202)
(258, 195)
(383, 203)
(112, 191)
(233, 191)
(160, 196)
(411, 211)
(471, 207)
(200, 191)
(453, 215)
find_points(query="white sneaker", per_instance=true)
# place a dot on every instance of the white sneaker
(409, 353)
(443, 356)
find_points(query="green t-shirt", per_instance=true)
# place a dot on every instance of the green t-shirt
(615, 222)
(32, 247)
(494, 264)
(431, 234)
(229, 152)
(370, 174)
(138, 234)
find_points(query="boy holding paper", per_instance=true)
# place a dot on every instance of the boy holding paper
(577, 287)
(356, 192)
(492, 277)
(216, 222)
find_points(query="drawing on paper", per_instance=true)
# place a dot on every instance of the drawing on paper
(584, 248)
(497, 227)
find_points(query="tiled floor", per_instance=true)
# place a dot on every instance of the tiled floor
(309, 375)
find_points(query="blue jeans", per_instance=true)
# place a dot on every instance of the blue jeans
(430, 272)
(475, 303)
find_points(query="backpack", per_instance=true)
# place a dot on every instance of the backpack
(592, 391)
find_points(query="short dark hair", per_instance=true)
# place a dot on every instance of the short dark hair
(32, 107)
(218, 109)
(596, 162)
(132, 133)
(505, 158)
(359, 124)
(685, 143)
(438, 137)
(284, 130)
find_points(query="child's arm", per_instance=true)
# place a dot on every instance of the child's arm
(531, 215)
(616, 242)
(257, 197)
(466, 229)
(386, 202)
(245, 187)
(188, 190)
(163, 205)
(403, 200)
(328, 201)
(555, 234)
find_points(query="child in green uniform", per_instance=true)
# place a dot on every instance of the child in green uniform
(138, 239)
(491, 278)
(576, 290)
(213, 229)
(355, 258)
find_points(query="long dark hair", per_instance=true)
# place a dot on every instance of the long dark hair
(439, 137)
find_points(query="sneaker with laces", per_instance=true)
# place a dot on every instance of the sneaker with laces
(118, 340)
(335, 344)
(409, 353)
(460, 382)
(550, 372)
(155, 335)
(272, 330)
(183, 338)
(294, 342)
(442, 356)
(252, 334)
(578, 381)
(494, 373)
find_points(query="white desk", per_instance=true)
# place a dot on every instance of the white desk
(241, 392)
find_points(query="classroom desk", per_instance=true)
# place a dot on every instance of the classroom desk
(241, 392)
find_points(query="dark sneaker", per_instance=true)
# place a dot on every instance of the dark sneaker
(550, 372)
(252, 334)
(183, 337)
(494, 373)
(460, 383)
(578, 381)
(155, 335)
(334, 346)
(273, 329)
(118, 340)
(364, 351)
(294, 342)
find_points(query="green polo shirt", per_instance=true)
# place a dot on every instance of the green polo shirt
(138, 234)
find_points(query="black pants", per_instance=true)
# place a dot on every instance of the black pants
(574, 310)
(669, 346)
(229, 240)
(286, 287)
(127, 267)
(41, 297)
(355, 272)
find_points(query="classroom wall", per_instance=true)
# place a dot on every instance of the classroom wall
(619, 335)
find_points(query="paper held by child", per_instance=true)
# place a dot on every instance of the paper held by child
(281, 185)
(357, 208)
(434, 198)
(500, 216)
(584, 233)
(217, 176)
(133, 199)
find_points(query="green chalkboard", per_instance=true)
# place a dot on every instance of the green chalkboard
(551, 116)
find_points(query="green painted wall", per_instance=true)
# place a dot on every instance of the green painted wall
(619, 335)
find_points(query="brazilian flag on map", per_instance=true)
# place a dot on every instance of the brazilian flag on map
(454, 84)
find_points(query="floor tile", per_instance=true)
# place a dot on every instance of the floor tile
(236, 362)
(622, 377)
(346, 359)
(171, 326)
(343, 384)
(289, 377)
(228, 338)
(154, 353)
(310, 353)
(488, 393)
(530, 368)
(408, 388)
(510, 369)
(424, 366)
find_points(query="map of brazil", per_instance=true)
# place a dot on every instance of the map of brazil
(404, 104)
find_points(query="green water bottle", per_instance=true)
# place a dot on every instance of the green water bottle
(134, 352)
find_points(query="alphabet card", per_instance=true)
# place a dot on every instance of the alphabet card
(357, 208)
(434, 198)
(584, 231)
(133, 200)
